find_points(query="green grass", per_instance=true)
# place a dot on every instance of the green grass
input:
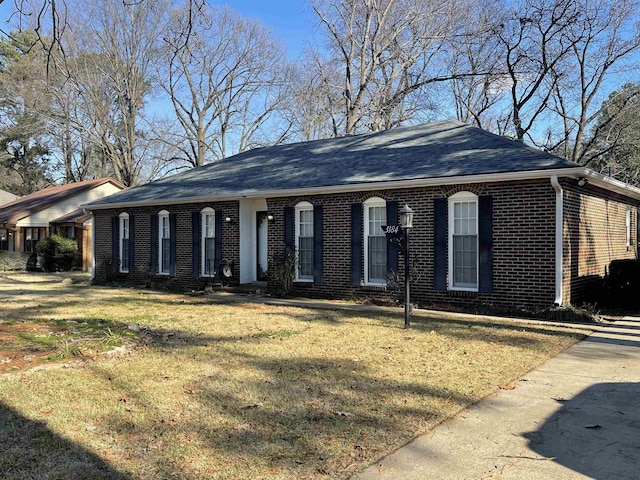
(246, 390)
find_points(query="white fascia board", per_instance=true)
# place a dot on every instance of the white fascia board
(612, 184)
(358, 187)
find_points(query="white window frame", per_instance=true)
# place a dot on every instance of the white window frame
(462, 197)
(299, 208)
(123, 229)
(206, 212)
(628, 227)
(163, 215)
(369, 203)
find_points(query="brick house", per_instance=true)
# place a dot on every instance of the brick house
(495, 221)
(26, 220)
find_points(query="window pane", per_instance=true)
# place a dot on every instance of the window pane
(377, 258)
(305, 226)
(465, 261)
(305, 256)
(209, 256)
(376, 245)
(377, 218)
(209, 226)
(165, 255)
(164, 227)
(125, 228)
(124, 261)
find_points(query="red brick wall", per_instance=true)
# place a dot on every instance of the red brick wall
(594, 235)
(523, 242)
(183, 278)
(523, 250)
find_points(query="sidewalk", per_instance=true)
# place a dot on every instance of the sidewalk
(576, 416)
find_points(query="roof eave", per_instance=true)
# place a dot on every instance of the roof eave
(384, 185)
(612, 184)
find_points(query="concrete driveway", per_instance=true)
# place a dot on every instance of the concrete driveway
(576, 416)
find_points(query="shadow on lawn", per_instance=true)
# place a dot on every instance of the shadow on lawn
(28, 449)
(303, 415)
(492, 331)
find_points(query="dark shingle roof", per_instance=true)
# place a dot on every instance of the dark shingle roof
(435, 150)
(77, 216)
(14, 211)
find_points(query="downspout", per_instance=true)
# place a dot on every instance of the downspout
(559, 240)
(93, 246)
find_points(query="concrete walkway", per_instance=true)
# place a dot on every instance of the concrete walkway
(576, 416)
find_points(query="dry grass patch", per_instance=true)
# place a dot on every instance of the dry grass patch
(249, 391)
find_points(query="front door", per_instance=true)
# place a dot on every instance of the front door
(262, 230)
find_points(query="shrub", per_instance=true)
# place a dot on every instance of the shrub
(58, 253)
(282, 273)
(622, 284)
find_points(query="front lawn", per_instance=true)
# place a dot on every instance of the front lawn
(235, 391)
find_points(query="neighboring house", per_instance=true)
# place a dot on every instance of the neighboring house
(6, 197)
(496, 222)
(28, 219)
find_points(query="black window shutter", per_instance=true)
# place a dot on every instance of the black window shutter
(392, 247)
(317, 243)
(356, 244)
(115, 244)
(172, 244)
(132, 233)
(154, 244)
(288, 230)
(440, 243)
(485, 241)
(195, 244)
(218, 251)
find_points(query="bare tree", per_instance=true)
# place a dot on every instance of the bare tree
(388, 51)
(535, 38)
(226, 77)
(602, 47)
(314, 106)
(109, 60)
(616, 135)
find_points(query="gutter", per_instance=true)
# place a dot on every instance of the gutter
(559, 245)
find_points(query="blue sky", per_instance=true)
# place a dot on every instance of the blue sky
(291, 21)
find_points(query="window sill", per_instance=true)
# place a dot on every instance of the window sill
(374, 287)
(462, 289)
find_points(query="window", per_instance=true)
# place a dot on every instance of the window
(124, 243)
(375, 242)
(208, 222)
(164, 243)
(304, 241)
(31, 237)
(628, 227)
(4, 239)
(71, 232)
(463, 241)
